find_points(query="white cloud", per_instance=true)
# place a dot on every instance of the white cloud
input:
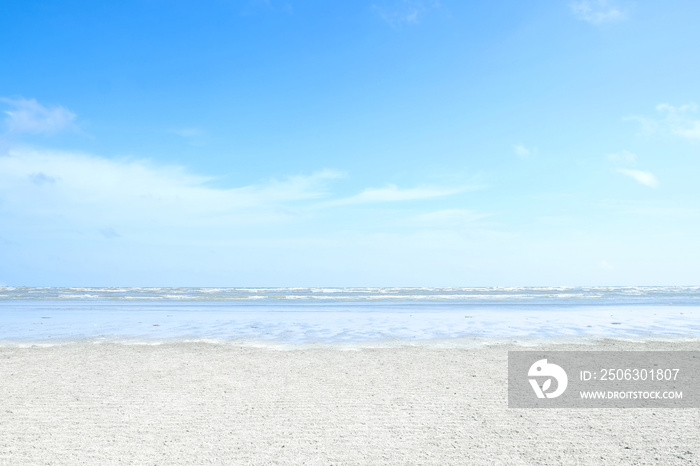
(29, 116)
(521, 151)
(403, 12)
(87, 190)
(641, 177)
(115, 196)
(597, 11)
(624, 157)
(189, 132)
(677, 120)
(193, 136)
(393, 193)
(271, 5)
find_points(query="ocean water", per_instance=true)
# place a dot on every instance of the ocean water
(347, 316)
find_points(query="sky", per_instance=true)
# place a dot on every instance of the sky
(349, 143)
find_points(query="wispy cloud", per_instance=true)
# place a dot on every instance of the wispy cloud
(521, 151)
(641, 177)
(677, 120)
(193, 136)
(623, 160)
(597, 11)
(404, 12)
(29, 116)
(393, 193)
(269, 5)
(188, 132)
(624, 157)
(116, 195)
(86, 190)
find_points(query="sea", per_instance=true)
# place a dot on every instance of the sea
(351, 317)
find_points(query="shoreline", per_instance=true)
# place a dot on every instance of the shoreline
(206, 403)
(470, 342)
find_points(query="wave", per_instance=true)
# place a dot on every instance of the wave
(467, 295)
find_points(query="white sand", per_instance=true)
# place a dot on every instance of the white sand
(197, 403)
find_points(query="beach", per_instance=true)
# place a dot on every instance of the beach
(386, 232)
(220, 403)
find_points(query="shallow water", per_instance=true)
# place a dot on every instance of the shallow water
(293, 316)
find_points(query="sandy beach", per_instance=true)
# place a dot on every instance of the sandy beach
(202, 403)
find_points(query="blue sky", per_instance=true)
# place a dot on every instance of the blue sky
(377, 143)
